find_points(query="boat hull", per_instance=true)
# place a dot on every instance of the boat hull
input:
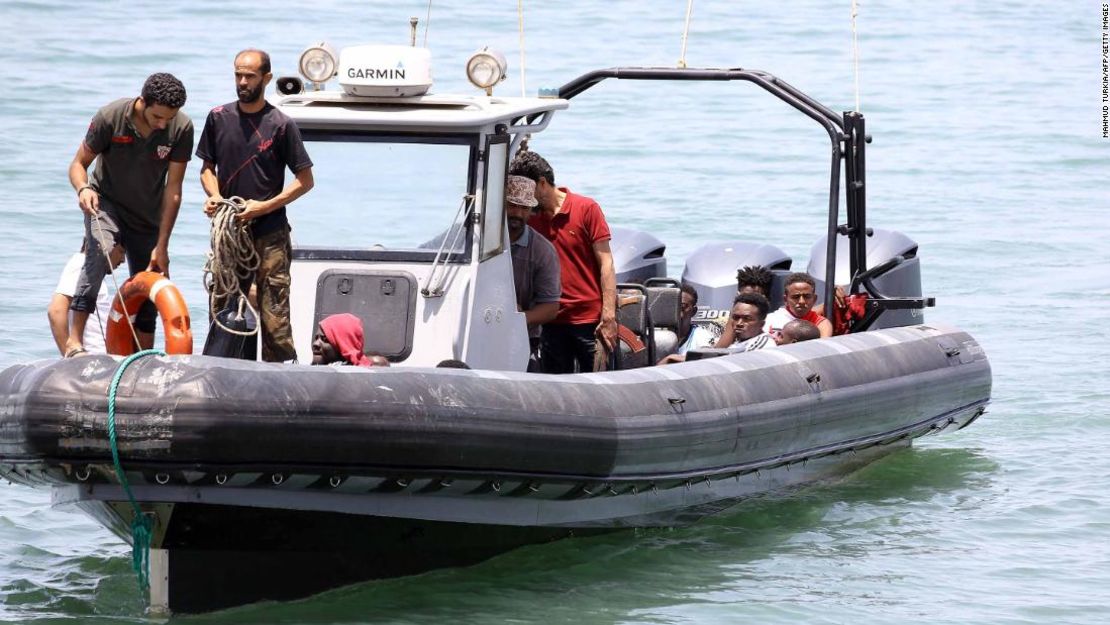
(209, 556)
(478, 462)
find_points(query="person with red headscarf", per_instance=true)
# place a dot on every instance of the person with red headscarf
(339, 339)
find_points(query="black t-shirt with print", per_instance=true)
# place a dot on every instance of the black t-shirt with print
(130, 168)
(251, 153)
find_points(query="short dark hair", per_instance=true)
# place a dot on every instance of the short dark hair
(754, 275)
(689, 290)
(801, 330)
(164, 89)
(264, 66)
(451, 363)
(532, 166)
(800, 276)
(754, 299)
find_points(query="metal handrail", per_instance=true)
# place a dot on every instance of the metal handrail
(845, 133)
(439, 263)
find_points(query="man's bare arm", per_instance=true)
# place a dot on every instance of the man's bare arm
(541, 313)
(607, 327)
(87, 199)
(171, 205)
(301, 184)
(211, 185)
(825, 328)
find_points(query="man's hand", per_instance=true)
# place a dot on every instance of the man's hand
(89, 201)
(160, 260)
(212, 203)
(606, 331)
(253, 209)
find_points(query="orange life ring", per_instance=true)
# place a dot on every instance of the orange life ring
(171, 307)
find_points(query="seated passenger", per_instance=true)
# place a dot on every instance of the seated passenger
(749, 279)
(745, 327)
(60, 316)
(798, 330)
(754, 279)
(690, 335)
(800, 295)
(535, 263)
(339, 341)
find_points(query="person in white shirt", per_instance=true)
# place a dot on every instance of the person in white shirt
(799, 296)
(59, 314)
(749, 312)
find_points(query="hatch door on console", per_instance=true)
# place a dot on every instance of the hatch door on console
(385, 301)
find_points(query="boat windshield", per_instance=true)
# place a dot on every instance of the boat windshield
(374, 193)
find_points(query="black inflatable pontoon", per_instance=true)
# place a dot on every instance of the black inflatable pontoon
(247, 463)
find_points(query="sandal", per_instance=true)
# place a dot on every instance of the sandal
(76, 351)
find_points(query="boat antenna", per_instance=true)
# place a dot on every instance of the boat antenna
(413, 21)
(686, 33)
(427, 23)
(855, 50)
(520, 27)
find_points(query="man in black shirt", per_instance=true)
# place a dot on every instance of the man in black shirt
(141, 147)
(246, 146)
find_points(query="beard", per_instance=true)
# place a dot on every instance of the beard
(248, 95)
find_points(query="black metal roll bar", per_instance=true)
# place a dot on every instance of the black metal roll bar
(846, 133)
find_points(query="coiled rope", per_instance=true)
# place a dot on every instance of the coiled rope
(231, 261)
(141, 525)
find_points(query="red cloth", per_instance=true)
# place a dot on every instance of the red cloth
(574, 230)
(853, 309)
(344, 332)
(810, 316)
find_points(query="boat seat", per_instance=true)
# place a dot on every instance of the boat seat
(664, 309)
(632, 313)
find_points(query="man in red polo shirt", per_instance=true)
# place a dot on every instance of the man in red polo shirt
(588, 305)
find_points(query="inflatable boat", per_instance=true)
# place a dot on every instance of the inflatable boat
(255, 480)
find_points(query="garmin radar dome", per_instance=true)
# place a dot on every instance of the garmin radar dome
(385, 71)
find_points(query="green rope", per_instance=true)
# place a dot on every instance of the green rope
(141, 524)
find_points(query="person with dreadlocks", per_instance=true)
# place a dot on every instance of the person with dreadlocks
(754, 279)
(750, 279)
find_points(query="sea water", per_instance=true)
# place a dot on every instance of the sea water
(989, 151)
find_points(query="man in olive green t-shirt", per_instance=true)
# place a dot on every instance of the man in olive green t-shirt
(141, 147)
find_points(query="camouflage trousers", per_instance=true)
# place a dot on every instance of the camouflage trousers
(275, 251)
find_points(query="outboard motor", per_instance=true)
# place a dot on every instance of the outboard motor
(903, 280)
(712, 268)
(637, 255)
